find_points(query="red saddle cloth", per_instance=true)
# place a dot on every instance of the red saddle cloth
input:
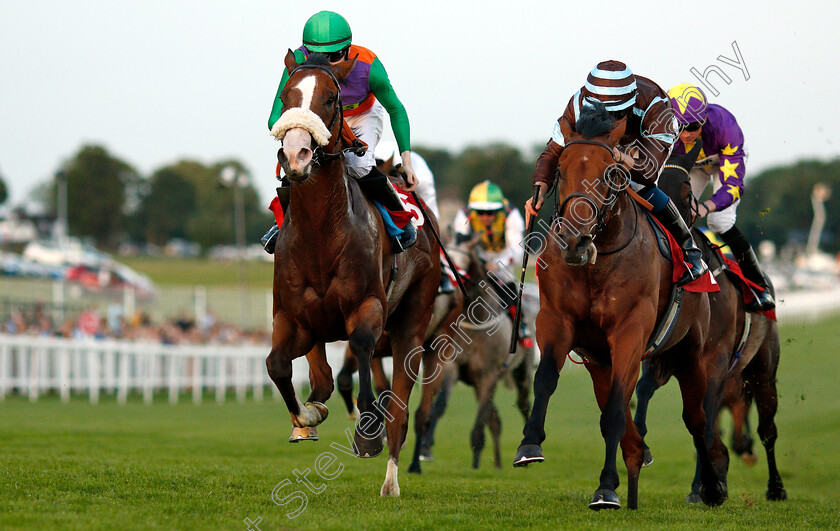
(746, 284)
(400, 218)
(704, 284)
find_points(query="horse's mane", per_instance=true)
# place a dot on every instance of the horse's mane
(594, 120)
(317, 59)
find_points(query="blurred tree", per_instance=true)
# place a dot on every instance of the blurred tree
(168, 207)
(498, 162)
(4, 192)
(97, 187)
(776, 204)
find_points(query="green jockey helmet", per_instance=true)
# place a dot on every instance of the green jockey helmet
(326, 32)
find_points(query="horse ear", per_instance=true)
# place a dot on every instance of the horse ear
(291, 62)
(566, 129)
(342, 69)
(617, 132)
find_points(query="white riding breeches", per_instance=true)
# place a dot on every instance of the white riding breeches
(367, 127)
(720, 221)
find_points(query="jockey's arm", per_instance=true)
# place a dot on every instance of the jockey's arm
(659, 132)
(514, 236)
(381, 87)
(732, 168)
(277, 107)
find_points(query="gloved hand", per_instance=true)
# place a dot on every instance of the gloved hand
(408, 169)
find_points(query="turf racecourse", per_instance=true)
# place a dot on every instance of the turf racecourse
(209, 467)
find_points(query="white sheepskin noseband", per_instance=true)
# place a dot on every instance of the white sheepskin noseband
(304, 118)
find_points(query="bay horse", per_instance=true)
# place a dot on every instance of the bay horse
(755, 367)
(480, 364)
(332, 268)
(603, 286)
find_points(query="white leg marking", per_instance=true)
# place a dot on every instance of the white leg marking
(391, 487)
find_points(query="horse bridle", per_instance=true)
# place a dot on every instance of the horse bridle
(318, 154)
(601, 213)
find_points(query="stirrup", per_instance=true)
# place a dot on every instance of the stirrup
(700, 265)
(269, 239)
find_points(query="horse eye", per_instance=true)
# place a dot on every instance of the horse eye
(331, 99)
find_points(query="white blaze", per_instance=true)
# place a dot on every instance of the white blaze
(307, 90)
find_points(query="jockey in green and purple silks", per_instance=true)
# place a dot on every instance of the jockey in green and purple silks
(366, 95)
(722, 161)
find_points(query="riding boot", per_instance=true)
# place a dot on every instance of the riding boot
(445, 283)
(269, 239)
(746, 258)
(671, 219)
(376, 186)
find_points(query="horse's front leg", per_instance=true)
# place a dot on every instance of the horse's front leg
(613, 389)
(364, 328)
(554, 337)
(287, 343)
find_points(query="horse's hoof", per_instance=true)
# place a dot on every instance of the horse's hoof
(717, 495)
(527, 454)
(647, 460)
(426, 455)
(414, 468)
(390, 490)
(368, 447)
(355, 414)
(309, 433)
(604, 499)
(749, 458)
(776, 494)
(693, 498)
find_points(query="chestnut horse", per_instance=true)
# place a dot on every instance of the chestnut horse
(603, 287)
(756, 366)
(332, 266)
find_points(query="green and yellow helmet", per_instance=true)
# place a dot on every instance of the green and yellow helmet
(487, 196)
(326, 32)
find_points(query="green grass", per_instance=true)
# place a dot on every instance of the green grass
(200, 271)
(208, 467)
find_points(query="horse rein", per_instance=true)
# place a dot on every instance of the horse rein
(601, 213)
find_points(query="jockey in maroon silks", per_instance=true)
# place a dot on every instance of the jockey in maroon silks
(651, 133)
(722, 162)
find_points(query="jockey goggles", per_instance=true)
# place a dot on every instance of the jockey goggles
(694, 126)
(486, 212)
(333, 57)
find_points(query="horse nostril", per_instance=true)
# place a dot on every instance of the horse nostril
(304, 155)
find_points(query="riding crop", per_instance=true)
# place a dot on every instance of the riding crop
(514, 337)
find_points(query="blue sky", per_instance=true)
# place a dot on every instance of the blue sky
(156, 81)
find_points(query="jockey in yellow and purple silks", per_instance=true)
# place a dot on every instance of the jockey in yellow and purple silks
(366, 95)
(722, 161)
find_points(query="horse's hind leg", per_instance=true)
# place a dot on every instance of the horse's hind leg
(692, 380)
(431, 382)
(364, 329)
(448, 380)
(344, 380)
(645, 388)
(762, 381)
(484, 390)
(495, 423)
(522, 378)
(555, 340)
(742, 441)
